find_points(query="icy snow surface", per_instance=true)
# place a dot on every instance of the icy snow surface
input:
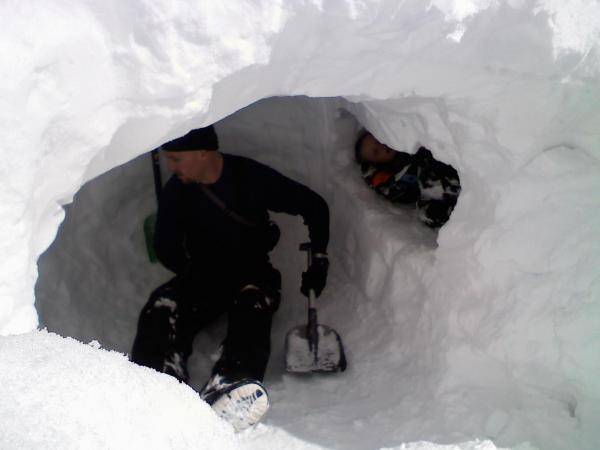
(489, 329)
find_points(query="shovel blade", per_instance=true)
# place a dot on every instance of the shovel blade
(327, 356)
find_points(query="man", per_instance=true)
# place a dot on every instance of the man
(404, 178)
(213, 231)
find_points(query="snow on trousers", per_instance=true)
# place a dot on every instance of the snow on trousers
(180, 308)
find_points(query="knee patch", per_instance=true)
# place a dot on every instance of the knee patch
(252, 298)
(162, 297)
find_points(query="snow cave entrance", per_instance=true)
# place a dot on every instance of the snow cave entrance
(96, 276)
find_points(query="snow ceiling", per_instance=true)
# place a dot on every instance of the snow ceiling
(508, 92)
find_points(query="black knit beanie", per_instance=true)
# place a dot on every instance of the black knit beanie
(199, 139)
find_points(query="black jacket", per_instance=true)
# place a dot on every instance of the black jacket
(191, 231)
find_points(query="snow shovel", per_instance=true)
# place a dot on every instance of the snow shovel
(150, 221)
(313, 347)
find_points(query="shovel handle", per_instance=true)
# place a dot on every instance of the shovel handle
(311, 327)
(311, 332)
(156, 172)
(306, 247)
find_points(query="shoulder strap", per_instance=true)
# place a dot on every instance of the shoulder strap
(228, 212)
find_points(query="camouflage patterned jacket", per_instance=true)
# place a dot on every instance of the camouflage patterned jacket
(419, 178)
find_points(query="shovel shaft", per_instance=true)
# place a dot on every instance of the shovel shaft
(156, 172)
(312, 332)
(311, 292)
(311, 328)
(313, 347)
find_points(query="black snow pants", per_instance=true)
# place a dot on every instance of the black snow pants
(180, 308)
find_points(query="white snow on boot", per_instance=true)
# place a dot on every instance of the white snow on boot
(214, 387)
(244, 405)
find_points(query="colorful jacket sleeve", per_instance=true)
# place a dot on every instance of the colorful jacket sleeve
(396, 182)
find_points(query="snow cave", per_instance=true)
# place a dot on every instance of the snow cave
(480, 335)
(99, 267)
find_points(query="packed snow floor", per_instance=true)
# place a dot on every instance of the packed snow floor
(61, 394)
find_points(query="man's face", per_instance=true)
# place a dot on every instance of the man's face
(187, 166)
(373, 151)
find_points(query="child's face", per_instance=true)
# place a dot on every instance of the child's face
(373, 151)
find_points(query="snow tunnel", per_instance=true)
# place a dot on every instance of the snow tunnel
(381, 256)
(391, 292)
(487, 329)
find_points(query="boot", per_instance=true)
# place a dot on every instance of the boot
(242, 403)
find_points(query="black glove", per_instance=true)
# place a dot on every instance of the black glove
(316, 275)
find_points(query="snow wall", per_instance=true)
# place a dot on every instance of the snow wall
(489, 329)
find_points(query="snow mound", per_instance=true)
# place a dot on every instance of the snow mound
(58, 393)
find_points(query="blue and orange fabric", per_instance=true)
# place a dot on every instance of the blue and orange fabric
(421, 179)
